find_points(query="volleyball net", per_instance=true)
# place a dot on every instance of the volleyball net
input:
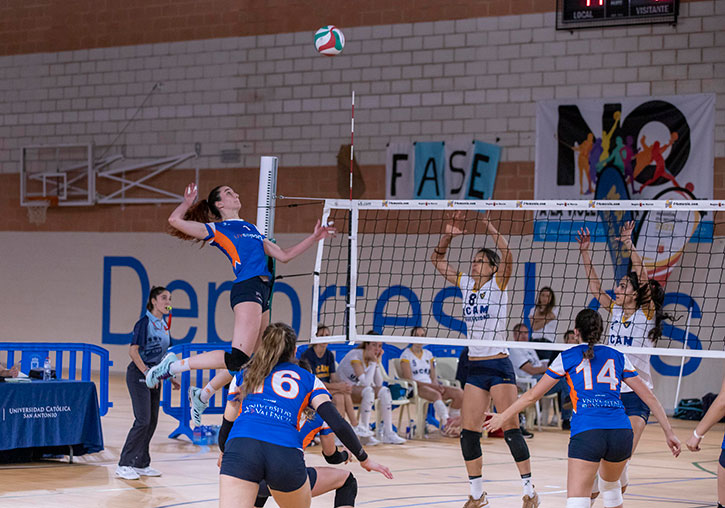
(384, 248)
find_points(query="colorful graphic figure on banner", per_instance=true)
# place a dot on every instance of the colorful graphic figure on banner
(655, 153)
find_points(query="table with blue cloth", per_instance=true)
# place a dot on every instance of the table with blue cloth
(48, 418)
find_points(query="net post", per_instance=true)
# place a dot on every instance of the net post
(315, 317)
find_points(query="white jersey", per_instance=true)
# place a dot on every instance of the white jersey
(419, 365)
(520, 357)
(634, 332)
(371, 376)
(485, 312)
(548, 332)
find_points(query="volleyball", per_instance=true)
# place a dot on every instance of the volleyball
(329, 40)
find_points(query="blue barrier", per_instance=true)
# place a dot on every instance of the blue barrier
(42, 350)
(182, 412)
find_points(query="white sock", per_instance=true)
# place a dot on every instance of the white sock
(441, 412)
(476, 486)
(207, 392)
(386, 406)
(366, 406)
(527, 484)
(179, 366)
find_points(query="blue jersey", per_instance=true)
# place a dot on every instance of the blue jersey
(242, 244)
(275, 413)
(594, 386)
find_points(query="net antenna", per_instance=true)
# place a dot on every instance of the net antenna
(352, 234)
(267, 195)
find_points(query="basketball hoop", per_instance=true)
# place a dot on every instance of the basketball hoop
(38, 208)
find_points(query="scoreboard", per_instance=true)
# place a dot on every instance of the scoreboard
(572, 14)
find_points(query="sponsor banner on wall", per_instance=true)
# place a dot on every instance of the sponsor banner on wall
(453, 169)
(655, 143)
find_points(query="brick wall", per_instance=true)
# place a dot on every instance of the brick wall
(272, 94)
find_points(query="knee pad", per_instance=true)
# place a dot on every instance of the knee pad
(345, 495)
(470, 444)
(235, 360)
(517, 445)
(611, 493)
(386, 399)
(368, 397)
(577, 502)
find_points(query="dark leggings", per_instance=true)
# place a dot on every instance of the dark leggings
(145, 402)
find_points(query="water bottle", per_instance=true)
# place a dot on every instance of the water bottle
(46, 369)
(197, 436)
(35, 363)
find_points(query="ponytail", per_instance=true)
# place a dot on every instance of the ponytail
(278, 345)
(590, 326)
(202, 211)
(657, 296)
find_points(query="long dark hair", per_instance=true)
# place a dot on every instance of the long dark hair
(203, 211)
(278, 345)
(552, 300)
(155, 292)
(657, 295)
(590, 326)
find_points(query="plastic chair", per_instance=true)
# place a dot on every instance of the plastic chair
(446, 368)
(421, 405)
(526, 384)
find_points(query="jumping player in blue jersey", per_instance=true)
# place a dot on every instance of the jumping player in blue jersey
(490, 372)
(322, 479)
(636, 317)
(265, 442)
(601, 433)
(216, 220)
(713, 415)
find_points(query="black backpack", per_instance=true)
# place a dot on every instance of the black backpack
(689, 409)
(707, 401)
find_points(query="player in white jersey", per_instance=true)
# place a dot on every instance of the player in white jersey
(418, 364)
(361, 369)
(635, 321)
(490, 374)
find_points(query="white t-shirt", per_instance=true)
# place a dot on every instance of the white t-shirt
(634, 332)
(419, 366)
(548, 332)
(371, 375)
(520, 357)
(485, 312)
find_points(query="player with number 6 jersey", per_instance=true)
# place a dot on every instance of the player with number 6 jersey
(265, 441)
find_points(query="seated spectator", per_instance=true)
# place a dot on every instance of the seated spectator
(11, 372)
(543, 319)
(360, 368)
(418, 365)
(322, 363)
(529, 368)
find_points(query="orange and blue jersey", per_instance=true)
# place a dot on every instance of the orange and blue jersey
(595, 386)
(242, 244)
(274, 413)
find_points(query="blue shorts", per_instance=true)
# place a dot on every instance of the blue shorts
(612, 445)
(255, 289)
(634, 406)
(722, 458)
(487, 373)
(264, 490)
(282, 467)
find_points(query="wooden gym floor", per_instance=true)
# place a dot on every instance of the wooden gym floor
(427, 473)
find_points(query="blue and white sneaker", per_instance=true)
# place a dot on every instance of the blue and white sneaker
(197, 406)
(161, 371)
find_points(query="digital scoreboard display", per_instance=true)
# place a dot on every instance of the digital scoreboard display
(573, 14)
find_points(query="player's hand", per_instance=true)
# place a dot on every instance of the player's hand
(674, 444)
(370, 465)
(175, 385)
(693, 444)
(625, 234)
(452, 228)
(494, 423)
(584, 239)
(321, 232)
(190, 194)
(14, 371)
